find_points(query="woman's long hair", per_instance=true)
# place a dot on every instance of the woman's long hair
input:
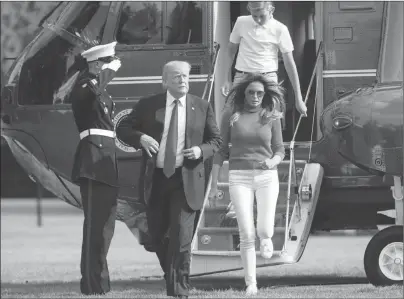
(273, 103)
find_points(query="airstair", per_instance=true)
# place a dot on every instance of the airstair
(216, 242)
(215, 247)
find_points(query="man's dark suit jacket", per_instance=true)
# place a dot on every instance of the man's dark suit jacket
(201, 130)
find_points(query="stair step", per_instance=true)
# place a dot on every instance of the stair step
(227, 238)
(228, 230)
(216, 210)
(221, 184)
(283, 170)
(277, 253)
(216, 216)
(223, 208)
(205, 262)
(224, 195)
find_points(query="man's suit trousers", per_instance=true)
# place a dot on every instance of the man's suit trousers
(171, 223)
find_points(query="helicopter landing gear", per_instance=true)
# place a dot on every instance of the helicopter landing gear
(384, 254)
(384, 257)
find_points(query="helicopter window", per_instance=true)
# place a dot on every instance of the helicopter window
(184, 22)
(86, 20)
(50, 69)
(140, 23)
(392, 47)
(171, 22)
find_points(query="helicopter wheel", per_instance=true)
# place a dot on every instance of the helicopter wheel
(383, 258)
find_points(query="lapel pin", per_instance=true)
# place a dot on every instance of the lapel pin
(193, 108)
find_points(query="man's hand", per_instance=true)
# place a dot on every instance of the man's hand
(300, 105)
(290, 67)
(113, 65)
(226, 88)
(193, 153)
(149, 144)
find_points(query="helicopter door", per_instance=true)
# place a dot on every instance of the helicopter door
(47, 77)
(216, 245)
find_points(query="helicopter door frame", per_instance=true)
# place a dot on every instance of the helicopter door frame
(42, 115)
(112, 21)
(319, 36)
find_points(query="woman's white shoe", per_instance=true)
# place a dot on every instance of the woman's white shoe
(251, 290)
(267, 248)
(231, 213)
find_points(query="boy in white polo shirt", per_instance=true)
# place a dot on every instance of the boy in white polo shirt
(259, 37)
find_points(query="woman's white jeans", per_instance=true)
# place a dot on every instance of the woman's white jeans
(243, 185)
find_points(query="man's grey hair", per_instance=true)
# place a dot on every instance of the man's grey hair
(169, 65)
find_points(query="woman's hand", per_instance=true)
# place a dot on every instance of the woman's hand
(212, 197)
(271, 163)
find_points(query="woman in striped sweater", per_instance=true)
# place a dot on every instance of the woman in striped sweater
(251, 123)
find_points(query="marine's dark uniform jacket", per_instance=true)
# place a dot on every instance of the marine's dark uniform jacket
(95, 156)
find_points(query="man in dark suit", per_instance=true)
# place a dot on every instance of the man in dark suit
(177, 133)
(95, 167)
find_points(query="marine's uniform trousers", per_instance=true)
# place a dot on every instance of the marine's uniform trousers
(95, 170)
(99, 205)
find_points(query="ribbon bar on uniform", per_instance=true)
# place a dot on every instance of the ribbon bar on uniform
(102, 132)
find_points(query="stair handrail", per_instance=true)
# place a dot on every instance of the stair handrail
(292, 166)
(211, 78)
(320, 46)
(201, 215)
(211, 75)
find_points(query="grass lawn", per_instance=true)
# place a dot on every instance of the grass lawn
(43, 262)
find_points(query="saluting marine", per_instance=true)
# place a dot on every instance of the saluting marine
(95, 167)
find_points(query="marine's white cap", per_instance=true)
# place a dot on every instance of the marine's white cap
(99, 51)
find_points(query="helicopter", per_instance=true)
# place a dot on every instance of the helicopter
(343, 165)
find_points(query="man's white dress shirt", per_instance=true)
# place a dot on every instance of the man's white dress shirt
(181, 130)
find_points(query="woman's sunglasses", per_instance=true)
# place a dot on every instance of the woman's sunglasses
(260, 94)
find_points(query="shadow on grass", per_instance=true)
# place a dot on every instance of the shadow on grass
(157, 285)
(237, 283)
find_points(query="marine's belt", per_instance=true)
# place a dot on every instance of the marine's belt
(102, 132)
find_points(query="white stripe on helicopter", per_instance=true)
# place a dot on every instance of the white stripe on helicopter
(153, 79)
(203, 77)
(349, 73)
